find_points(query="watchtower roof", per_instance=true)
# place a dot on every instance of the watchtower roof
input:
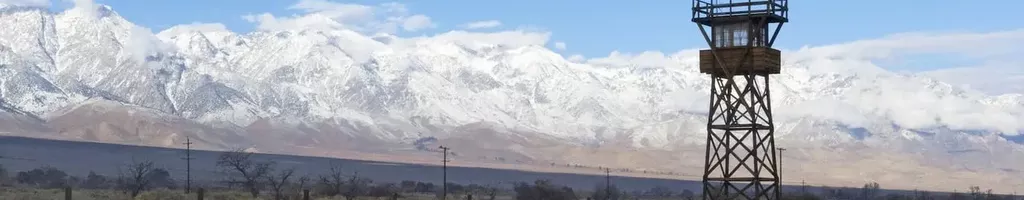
(712, 12)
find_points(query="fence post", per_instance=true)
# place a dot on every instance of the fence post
(305, 194)
(200, 193)
(67, 193)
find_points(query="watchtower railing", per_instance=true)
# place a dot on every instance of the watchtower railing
(703, 9)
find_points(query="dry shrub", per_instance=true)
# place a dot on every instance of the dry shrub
(230, 195)
(99, 195)
(50, 194)
(162, 194)
(30, 194)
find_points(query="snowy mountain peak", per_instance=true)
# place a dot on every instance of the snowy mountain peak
(314, 59)
(88, 10)
(314, 81)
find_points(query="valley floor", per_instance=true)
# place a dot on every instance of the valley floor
(79, 158)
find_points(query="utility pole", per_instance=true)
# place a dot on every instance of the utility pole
(607, 183)
(444, 169)
(781, 183)
(803, 186)
(188, 164)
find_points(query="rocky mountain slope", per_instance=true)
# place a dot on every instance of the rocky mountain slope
(89, 74)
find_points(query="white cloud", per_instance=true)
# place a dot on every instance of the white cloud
(577, 58)
(976, 45)
(862, 87)
(86, 7)
(417, 22)
(397, 15)
(25, 3)
(560, 45)
(993, 51)
(269, 22)
(482, 24)
(342, 12)
(199, 27)
(993, 78)
(643, 59)
(516, 38)
(383, 18)
(143, 43)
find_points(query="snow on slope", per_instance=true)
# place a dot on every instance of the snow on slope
(404, 89)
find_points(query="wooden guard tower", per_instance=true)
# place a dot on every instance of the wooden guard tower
(740, 160)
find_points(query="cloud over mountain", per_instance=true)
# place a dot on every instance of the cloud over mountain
(482, 24)
(386, 17)
(24, 3)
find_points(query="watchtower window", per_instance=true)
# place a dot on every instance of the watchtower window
(732, 35)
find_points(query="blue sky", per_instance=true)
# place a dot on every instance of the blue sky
(594, 28)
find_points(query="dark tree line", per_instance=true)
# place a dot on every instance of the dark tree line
(872, 191)
(869, 191)
(543, 190)
(255, 177)
(262, 178)
(132, 179)
(242, 170)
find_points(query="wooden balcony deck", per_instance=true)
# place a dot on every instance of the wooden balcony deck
(762, 60)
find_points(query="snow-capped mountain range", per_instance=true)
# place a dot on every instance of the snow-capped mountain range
(89, 74)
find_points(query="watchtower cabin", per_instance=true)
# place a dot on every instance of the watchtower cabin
(740, 37)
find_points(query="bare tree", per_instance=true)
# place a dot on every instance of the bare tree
(870, 190)
(356, 186)
(333, 180)
(300, 185)
(279, 181)
(241, 169)
(135, 177)
(303, 181)
(492, 192)
(688, 195)
(975, 191)
(604, 191)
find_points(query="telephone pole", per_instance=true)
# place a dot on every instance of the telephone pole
(781, 181)
(607, 183)
(444, 171)
(803, 186)
(188, 165)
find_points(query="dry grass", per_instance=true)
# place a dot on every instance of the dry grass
(22, 193)
(84, 194)
(58, 194)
